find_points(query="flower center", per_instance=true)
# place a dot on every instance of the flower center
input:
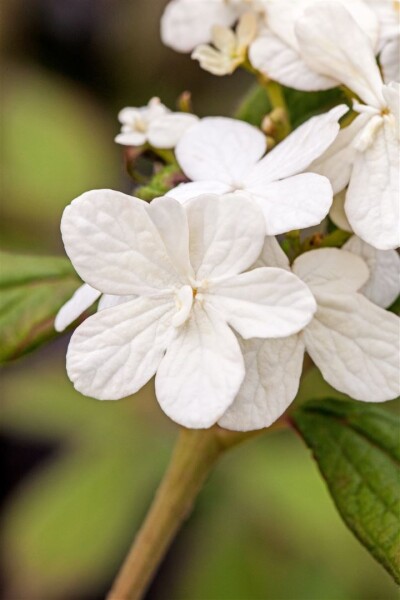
(184, 302)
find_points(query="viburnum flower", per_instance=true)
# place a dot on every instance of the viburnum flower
(388, 13)
(187, 23)
(230, 48)
(353, 342)
(276, 51)
(224, 155)
(154, 124)
(187, 267)
(365, 154)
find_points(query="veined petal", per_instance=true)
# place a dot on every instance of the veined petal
(220, 149)
(166, 131)
(109, 301)
(187, 23)
(355, 345)
(372, 200)
(187, 191)
(299, 149)
(116, 351)
(275, 58)
(332, 43)
(331, 270)
(383, 285)
(82, 299)
(273, 370)
(265, 302)
(226, 234)
(337, 214)
(389, 59)
(201, 371)
(294, 203)
(116, 247)
(272, 255)
(337, 162)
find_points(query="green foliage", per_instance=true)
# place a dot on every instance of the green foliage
(32, 290)
(163, 181)
(357, 450)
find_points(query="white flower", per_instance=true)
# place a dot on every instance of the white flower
(153, 123)
(353, 342)
(388, 13)
(276, 51)
(187, 23)
(230, 48)
(383, 285)
(186, 265)
(365, 155)
(224, 155)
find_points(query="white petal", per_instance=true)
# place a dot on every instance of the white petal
(273, 370)
(390, 61)
(337, 214)
(391, 93)
(171, 221)
(214, 61)
(280, 62)
(332, 44)
(220, 149)
(82, 299)
(201, 372)
(383, 285)
(299, 149)
(226, 234)
(166, 131)
(355, 344)
(337, 162)
(265, 302)
(131, 138)
(294, 203)
(187, 191)
(109, 301)
(372, 200)
(116, 351)
(331, 270)
(115, 246)
(272, 255)
(187, 23)
(223, 39)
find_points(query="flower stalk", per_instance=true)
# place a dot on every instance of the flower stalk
(195, 454)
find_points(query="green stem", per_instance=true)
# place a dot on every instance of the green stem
(195, 453)
(280, 113)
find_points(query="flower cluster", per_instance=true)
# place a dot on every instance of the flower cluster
(193, 287)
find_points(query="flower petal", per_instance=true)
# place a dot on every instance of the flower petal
(187, 191)
(372, 200)
(273, 370)
(383, 285)
(166, 131)
(389, 59)
(331, 270)
(116, 351)
(294, 203)
(265, 302)
(115, 246)
(272, 255)
(201, 371)
(214, 61)
(337, 214)
(226, 234)
(220, 149)
(131, 138)
(109, 301)
(187, 23)
(337, 162)
(280, 62)
(82, 299)
(332, 44)
(355, 344)
(299, 149)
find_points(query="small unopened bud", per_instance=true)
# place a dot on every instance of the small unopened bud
(268, 126)
(184, 102)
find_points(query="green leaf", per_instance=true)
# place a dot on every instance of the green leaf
(357, 450)
(32, 290)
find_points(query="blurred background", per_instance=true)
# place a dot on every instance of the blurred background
(78, 475)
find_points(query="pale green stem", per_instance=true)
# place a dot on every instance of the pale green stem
(195, 453)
